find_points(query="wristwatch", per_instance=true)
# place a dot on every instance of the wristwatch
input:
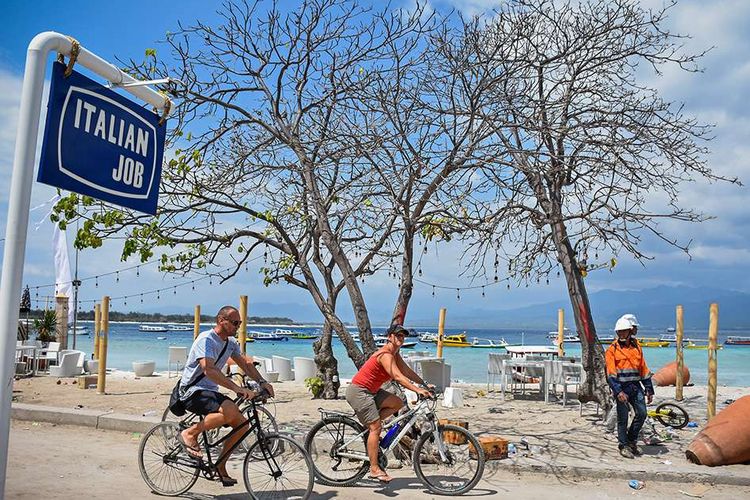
(262, 381)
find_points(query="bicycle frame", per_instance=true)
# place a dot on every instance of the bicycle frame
(423, 407)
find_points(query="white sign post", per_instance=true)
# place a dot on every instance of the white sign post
(20, 197)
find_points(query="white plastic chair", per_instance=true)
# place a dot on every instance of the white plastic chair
(71, 364)
(304, 368)
(177, 356)
(436, 373)
(495, 369)
(284, 368)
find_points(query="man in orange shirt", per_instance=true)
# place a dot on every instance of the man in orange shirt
(628, 376)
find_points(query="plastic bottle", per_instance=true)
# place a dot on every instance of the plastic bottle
(512, 450)
(635, 484)
(390, 435)
(525, 442)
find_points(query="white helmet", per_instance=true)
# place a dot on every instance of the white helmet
(631, 317)
(623, 324)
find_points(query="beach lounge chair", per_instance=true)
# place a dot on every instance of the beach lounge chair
(304, 368)
(177, 356)
(284, 368)
(70, 365)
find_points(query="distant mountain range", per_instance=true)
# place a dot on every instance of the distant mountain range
(655, 308)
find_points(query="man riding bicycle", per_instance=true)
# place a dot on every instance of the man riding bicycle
(208, 354)
(373, 404)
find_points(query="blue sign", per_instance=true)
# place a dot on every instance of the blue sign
(100, 144)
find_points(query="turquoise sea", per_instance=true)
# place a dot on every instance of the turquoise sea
(127, 344)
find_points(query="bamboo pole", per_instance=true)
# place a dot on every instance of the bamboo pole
(441, 329)
(97, 328)
(560, 332)
(679, 330)
(713, 332)
(243, 326)
(196, 322)
(101, 382)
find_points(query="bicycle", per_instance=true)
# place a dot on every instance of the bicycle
(265, 416)
(338, 448)
(275, 464)
(670, 415)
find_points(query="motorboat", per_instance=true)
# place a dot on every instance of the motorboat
(553, 334)
(568, 339)
(652, 342)
(285, 332)
(153, 328)
(428, 337)
(380, 341)
(180, 328)
(734, 340)
(488, 343)
(161, 338)
(266, 336)
(700, 344)
(671, 329)
(79, 330)
(304, 336)
(458, 340)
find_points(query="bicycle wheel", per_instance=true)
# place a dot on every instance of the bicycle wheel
(285, 471)
(455, 472)
(328, 438)
(672, 415)
(164, 465)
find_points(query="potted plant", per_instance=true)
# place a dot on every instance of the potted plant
(45, 327)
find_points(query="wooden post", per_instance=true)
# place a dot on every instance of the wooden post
(97, 329)
(101, 382)
(243, 326)
(441, 329)
(679, 324)
(197, 322)
(560, 332)
(713, 331)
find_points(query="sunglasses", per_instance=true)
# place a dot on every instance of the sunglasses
(236, 324)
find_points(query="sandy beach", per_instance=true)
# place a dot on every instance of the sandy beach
(556, 434)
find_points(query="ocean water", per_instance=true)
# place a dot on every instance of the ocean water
(127, 344)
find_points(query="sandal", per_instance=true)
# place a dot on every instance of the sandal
(383, 477)
(190, 450)
(227, 481)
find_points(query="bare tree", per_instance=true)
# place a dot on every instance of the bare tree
(594, 155)
(261, 164)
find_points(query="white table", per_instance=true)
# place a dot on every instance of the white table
(510, 365)
(34, 352)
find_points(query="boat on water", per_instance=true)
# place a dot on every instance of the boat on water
(568, 338)
(304, 336)
(553, 334)
(700, 344)
(734, 340)
(79, 330)
(161, 338)
(180, 328)
(671, 329)
(265, 336)
(652, 342)
(380, 341)
(458, 340)
(153, 328)
(428, 337)
(481, 343)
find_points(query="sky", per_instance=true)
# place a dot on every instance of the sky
(720, 250)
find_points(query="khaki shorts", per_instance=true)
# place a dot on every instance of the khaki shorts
(365, 404)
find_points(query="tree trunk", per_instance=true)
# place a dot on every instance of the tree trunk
(592, 353)
(407, 282)
(326, 362)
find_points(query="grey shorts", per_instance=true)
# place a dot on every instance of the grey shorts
(365, 404)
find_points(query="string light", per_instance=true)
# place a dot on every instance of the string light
(483, 291)
(118, 277)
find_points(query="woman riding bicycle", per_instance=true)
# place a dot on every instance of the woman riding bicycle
(373, 404)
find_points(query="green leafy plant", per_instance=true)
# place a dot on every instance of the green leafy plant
(315, 386)
(45, 326)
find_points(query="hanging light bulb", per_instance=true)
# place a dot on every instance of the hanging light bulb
(137, 270)
(458, 294)
(496, 279)
(118, 277)
(508, 286)
(175, 290)
(483, 291)
(96, 281)
(141, 298)
(433, 290)
(192, 285)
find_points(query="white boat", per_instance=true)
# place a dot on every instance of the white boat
(161, 338)
(180, 328)
(273, 337)
(380, 341)
(567, 339)
(284, 332)
(153, 328)
(79, 330)
(428, 337)
(671, 329)
(488, 343)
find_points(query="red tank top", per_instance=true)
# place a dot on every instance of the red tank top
(372, 375)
